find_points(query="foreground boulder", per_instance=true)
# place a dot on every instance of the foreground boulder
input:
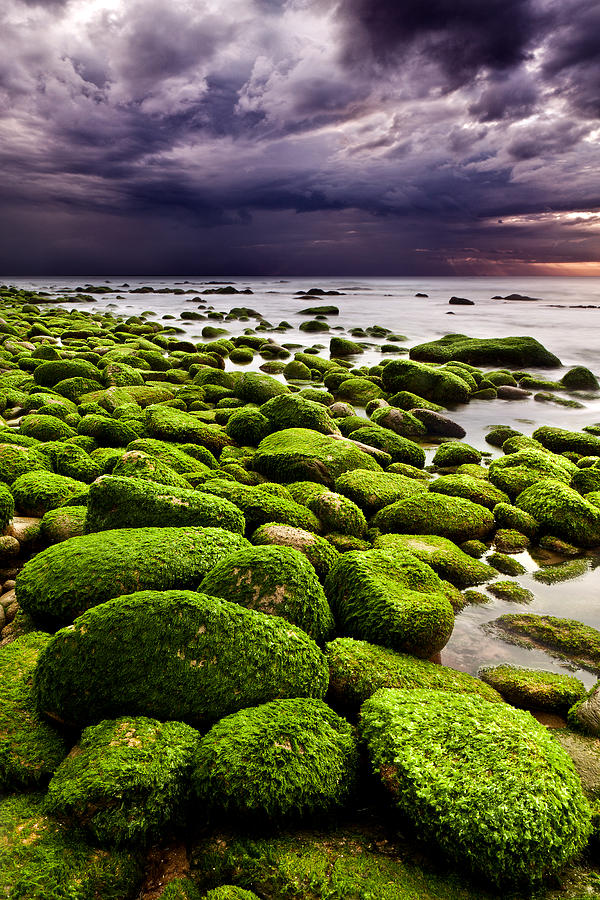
(444, 557)
(40, 858)
(299, 454)
(518, 471)
(454, 518)
(30, 750)
(116, 502)
(126, 779)
(285, 757)
(278, 581)
(562, 511)
(358, 669)
(187, 657)
(392, 599)
(484, 781)
(62, 581)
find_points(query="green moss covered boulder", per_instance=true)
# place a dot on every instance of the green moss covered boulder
(451, 517)
(16, 460)
(187, 657)
(126, 780)
(431, 383)
(72, 461)
(46, 428)
(534, 688)
(248, 426)
(30, 750)
(41, 858)
(7, 506)
(392, 599)
(400, 449)
(260, 506)
(183, 458)
(62, 581)
(483, 781)
(357, 669)
(512, 518)
(317, 550)
(252, 387)
(455, 453)
(63, 523)
(291, 411)
(444, 557)
(139, 465)
(49, 374)
(168, 424)
(287, 757)
(299, 454)
(279, 581)
(374, 490)
(117, 502)
(560, 440)
(562, 511)
(36, 492)
(507, 351)
(564, 638)
(518, 471)
(478, 490)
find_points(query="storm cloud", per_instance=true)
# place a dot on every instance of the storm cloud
(301, 136)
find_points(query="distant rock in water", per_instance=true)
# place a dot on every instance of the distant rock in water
(421, 295)
(516, 297)
(461, 301)
(227, 290)
(319, 292)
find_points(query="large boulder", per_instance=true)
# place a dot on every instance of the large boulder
(259, 506)
(287, 757)
(173, 655)
(169, 424)
(484, 781)
(299, 454)
(374, 490)
(358, 669)
(440, 386)
(291, 411)
(392, 599)
(317, 550)
(62, 581)
(126, 780)
(117, 502)
(449, 561)
(562, 511)
(518, 471)
(30, 750)
(450, 517)
(478, 490)
(36, 492)
(507, 351)
(278, 581)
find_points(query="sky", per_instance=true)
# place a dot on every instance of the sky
(273, 137)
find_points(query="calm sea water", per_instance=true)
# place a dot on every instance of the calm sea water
(560, 317)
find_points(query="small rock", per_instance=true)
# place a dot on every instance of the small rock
(24, 528)
(9, 585)
(7, 599)
(586, 714)
(435, 423)
(460, 301)
(508, 392)
(9, 547)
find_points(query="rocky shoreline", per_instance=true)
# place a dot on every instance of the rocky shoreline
(224, 595)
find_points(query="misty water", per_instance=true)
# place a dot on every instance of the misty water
(565, 317)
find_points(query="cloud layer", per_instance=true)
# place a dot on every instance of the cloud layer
(359, 136)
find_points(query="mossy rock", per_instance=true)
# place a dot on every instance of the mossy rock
(183, 458)
(338, 513)
(498, 434)
(399, 448)
(506, 564)
(507, 351)
(278, 581)
(444, 557)
(561, 511)
(49, 374)
(248, 426)
(507, 540)
(139, 465)
(371, 491)
(299, 454)
(126, 780)
(534, 688)
(30, 750)
(452, 517)
(399, 421)
(510, 591)
(475, 489)
(7, 506)
(518, 471)
(431, 383)
(63, 523)
(317, 550)
(116, 502)
(110, 432)
(580, 378)
(72, 461)
(37, 492)
(292, 411)
(351, 423)
(392, 599)
(586, 480)
(512, 518)
(358, 390)
(564, 638)
(230, 892)
(46, 428)
(455, 453)
(254, 388)
(64, 580)
(357, 669)
(260, 506)
(40, 858)
(564, 571)
(16, 460)
(285, 758)
(483, 781)
(168, 424)
(185, 889)
(560, 440)
(190, 658)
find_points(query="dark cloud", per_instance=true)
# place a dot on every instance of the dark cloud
(460, 36)
(572, 59)
(512, 97)
(543, 140)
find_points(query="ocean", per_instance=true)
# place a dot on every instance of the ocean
(564, 317)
